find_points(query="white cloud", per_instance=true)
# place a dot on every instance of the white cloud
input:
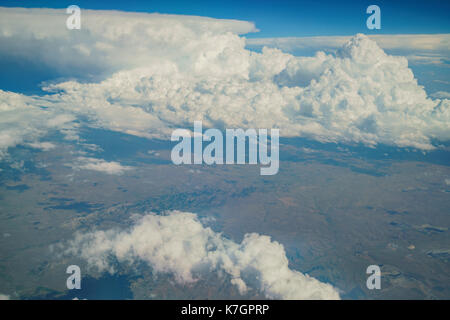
(24, 120)
(46, 146)
(111, 40)
(173, 70)
(430, 59)
(4, 297)
(178, 243)
(360, 95)
(422, 42)
(101, 165)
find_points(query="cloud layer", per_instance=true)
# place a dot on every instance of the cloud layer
(110, 40)
(179, 244)
(359, 95)
(421, 42)
(161, 72)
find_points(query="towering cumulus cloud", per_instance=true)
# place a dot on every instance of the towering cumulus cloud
(160, 72)
(179, 244)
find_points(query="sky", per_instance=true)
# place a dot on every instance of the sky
(289, 18)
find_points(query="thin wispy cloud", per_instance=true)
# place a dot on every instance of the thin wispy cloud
(100, 165)
(421, 42)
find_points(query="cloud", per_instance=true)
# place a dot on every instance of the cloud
(420, 42)
(100, 165)
(419, 49)
(441, 95)
(165, 72)
(45, 146)
(359, 95)
(442, 81)
(4, 297)
(178, 243)
(430, 59)
(24, 120)
(109, 40)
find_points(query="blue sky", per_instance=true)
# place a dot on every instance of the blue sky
(290, 18)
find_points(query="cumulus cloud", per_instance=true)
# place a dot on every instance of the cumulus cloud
(168, 71)
(100, 165)
(179, 244)
(359, 95)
